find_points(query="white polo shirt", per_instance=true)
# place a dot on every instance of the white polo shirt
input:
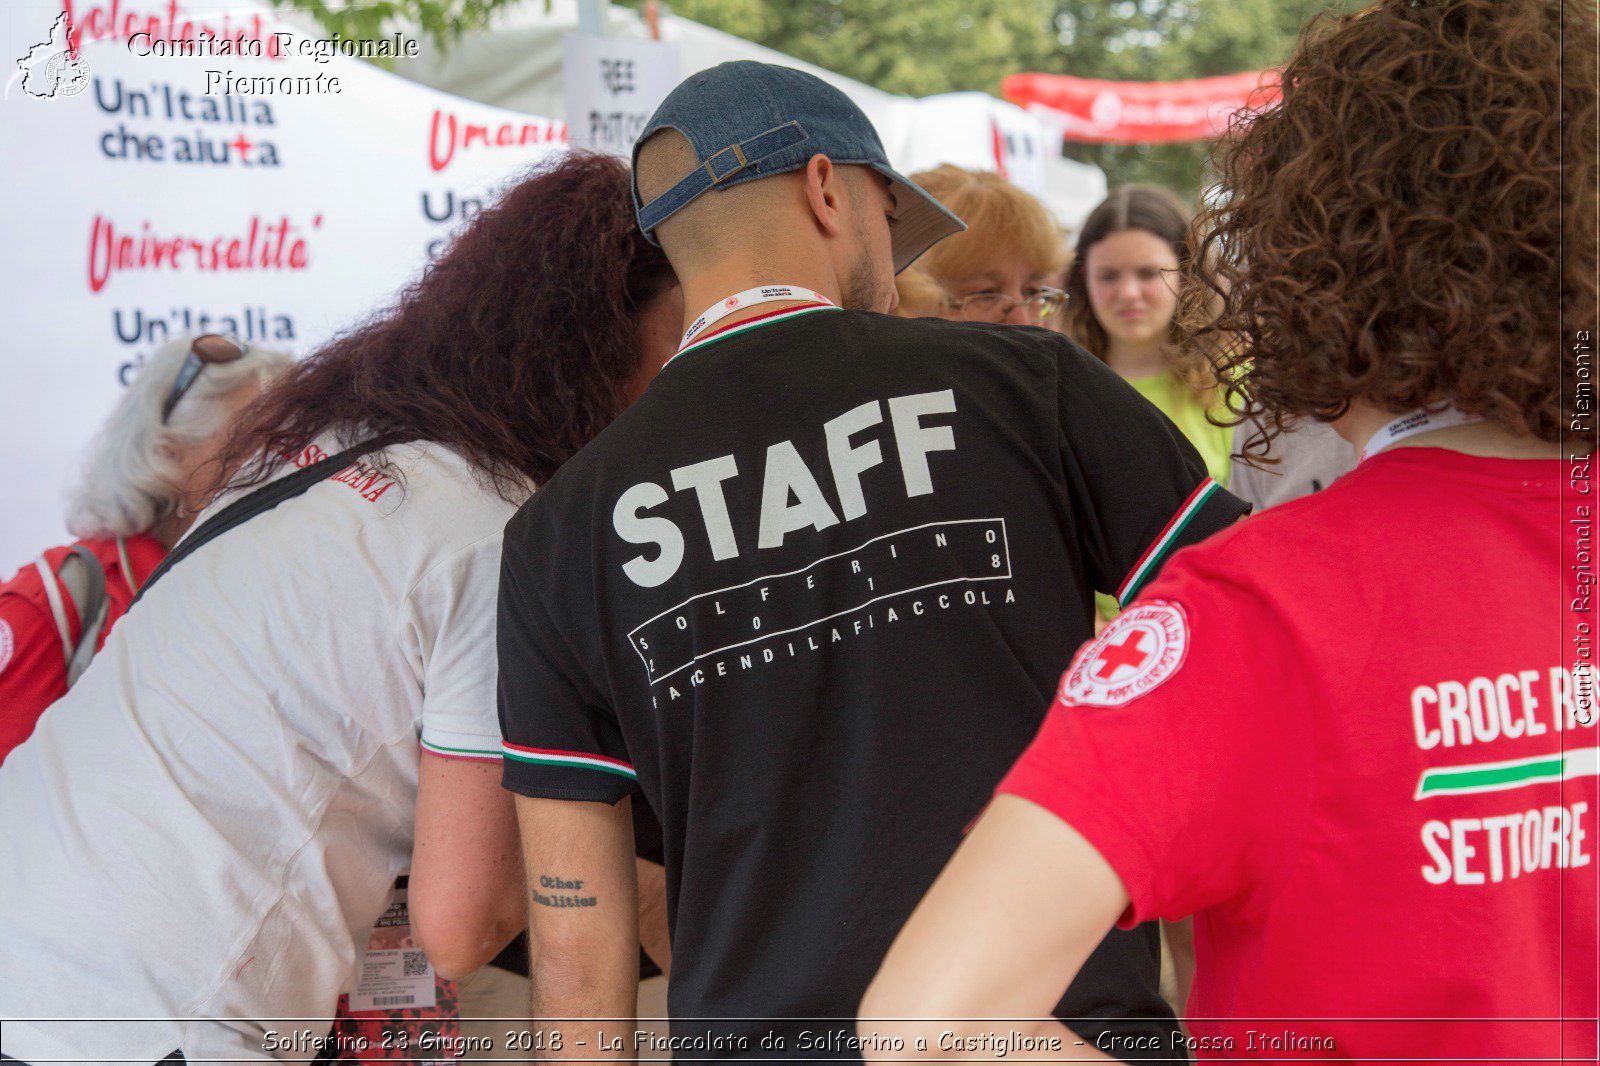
(208, 824)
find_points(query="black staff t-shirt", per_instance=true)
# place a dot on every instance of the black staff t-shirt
(811, 596)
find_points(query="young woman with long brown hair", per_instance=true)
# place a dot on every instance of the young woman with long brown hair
(304, 708)
(1122, 285)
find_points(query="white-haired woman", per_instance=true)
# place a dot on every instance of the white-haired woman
(149, 472)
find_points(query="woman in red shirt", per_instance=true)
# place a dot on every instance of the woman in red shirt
(148, 474)
(1355, 737)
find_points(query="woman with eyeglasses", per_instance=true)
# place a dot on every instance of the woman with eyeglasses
(147, 475)
(997, 270)
(201, 836)
(1132, 255)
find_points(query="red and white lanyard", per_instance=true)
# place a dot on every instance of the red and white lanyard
(1409, 425)
(761, 294)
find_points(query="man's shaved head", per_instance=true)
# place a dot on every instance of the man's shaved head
(771, 225)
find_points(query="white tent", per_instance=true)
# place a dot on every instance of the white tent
(516, 63)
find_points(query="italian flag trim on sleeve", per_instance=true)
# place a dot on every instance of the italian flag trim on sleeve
(1165, 541)
(573, 759)
(445, 751)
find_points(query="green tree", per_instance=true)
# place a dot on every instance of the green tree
(935, 46)
(922, 48)
(888, 43)
(1168, 40)
(443, 22)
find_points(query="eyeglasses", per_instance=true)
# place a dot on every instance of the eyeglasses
(206, 349)
(993, 306)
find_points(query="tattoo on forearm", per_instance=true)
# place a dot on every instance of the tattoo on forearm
(562, 901)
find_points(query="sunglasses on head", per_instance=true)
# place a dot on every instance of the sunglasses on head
(207, 348)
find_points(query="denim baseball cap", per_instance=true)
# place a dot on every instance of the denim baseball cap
(749, 120)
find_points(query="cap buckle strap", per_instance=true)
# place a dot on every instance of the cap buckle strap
(749, 153)
(738, 153)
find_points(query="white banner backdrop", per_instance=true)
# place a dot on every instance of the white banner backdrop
(147, 194)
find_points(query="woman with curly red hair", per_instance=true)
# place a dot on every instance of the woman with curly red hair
(1377, 704)
(199, 837)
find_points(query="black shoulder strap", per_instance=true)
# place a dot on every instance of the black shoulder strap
(247, 507)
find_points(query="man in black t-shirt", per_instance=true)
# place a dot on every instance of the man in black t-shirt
(811, 594)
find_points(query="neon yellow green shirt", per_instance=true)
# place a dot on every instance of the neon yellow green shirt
(1177, 402)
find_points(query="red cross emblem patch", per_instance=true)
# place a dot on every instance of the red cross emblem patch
(1141, 648)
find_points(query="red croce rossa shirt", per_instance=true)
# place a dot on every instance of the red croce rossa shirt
(1355, 737)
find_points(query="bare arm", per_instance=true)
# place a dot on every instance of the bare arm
(1000, 935)
(583, 922)
(1180, 942)
(653, 936)
(466, 893)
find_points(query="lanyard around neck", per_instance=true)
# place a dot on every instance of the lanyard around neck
(761, 294)
(1409, 425)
